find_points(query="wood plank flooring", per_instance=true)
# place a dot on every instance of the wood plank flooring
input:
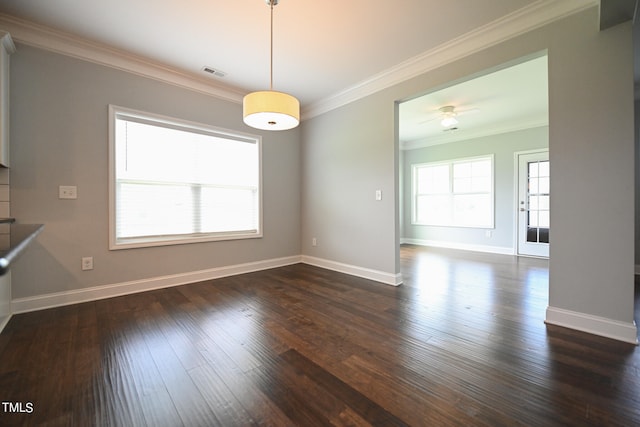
(461, 342)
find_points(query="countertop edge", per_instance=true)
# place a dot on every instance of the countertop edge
(15, 251)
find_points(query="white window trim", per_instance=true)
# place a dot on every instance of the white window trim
(450, 163)
(165, 121)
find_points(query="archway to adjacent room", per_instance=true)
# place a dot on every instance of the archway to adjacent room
(474, 190)
(461, 148)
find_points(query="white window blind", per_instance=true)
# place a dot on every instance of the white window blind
(454, 193)
(180, 182)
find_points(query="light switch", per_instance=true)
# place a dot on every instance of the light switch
(378, 194)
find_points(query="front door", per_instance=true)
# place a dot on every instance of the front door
(533, 204)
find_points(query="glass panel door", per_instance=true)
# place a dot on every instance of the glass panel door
(533, 204)
(538, 201)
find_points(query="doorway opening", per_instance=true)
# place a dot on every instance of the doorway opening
(499, 114)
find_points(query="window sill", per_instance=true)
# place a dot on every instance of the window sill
(146, 242)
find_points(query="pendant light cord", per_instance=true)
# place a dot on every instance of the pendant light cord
(271, 50)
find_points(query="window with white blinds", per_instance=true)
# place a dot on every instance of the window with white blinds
(175, 182)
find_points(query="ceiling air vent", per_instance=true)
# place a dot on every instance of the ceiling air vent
(213, 71)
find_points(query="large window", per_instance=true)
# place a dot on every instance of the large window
(173, 181)
(454, 193)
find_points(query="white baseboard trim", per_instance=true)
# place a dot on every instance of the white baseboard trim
(4, 322)
(57, 299)
(501, 250)
(40, 302)
(615, 329)
(367, 273)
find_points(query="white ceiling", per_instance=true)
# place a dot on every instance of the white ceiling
(509, 99)
(322, 49)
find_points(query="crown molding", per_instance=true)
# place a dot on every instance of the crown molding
(42, 37)
(536, 15)
(7, 42)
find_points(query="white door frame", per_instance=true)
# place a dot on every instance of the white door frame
(518, 215)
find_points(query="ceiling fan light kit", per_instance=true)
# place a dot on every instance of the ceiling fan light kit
(448, 116)
(269, 109)
(449, 121)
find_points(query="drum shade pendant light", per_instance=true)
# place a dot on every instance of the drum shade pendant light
(269, 109)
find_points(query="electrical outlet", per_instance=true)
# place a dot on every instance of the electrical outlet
(314, 242)
(87, 263)
(67, 192)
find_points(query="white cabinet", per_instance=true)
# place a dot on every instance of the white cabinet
(6, 48)
(5, 299)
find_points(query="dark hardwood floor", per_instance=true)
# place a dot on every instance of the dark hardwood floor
(462, 342)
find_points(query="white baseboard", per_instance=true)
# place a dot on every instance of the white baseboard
(367, 273)
(502, 250)
(4, 322)
(40, 302)
(615, 329)
(57, 299)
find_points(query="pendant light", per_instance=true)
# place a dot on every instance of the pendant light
(269, 109)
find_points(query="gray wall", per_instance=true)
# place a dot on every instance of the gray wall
(637, 180)
(592, 155)
(503, 147)
(350, 151)
(347, 157)
(59, 137)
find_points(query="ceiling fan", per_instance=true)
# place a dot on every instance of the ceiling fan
(448, 116)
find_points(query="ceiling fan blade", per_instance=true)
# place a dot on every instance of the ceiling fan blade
(469, 111)
(448, 110)
(428, 120)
